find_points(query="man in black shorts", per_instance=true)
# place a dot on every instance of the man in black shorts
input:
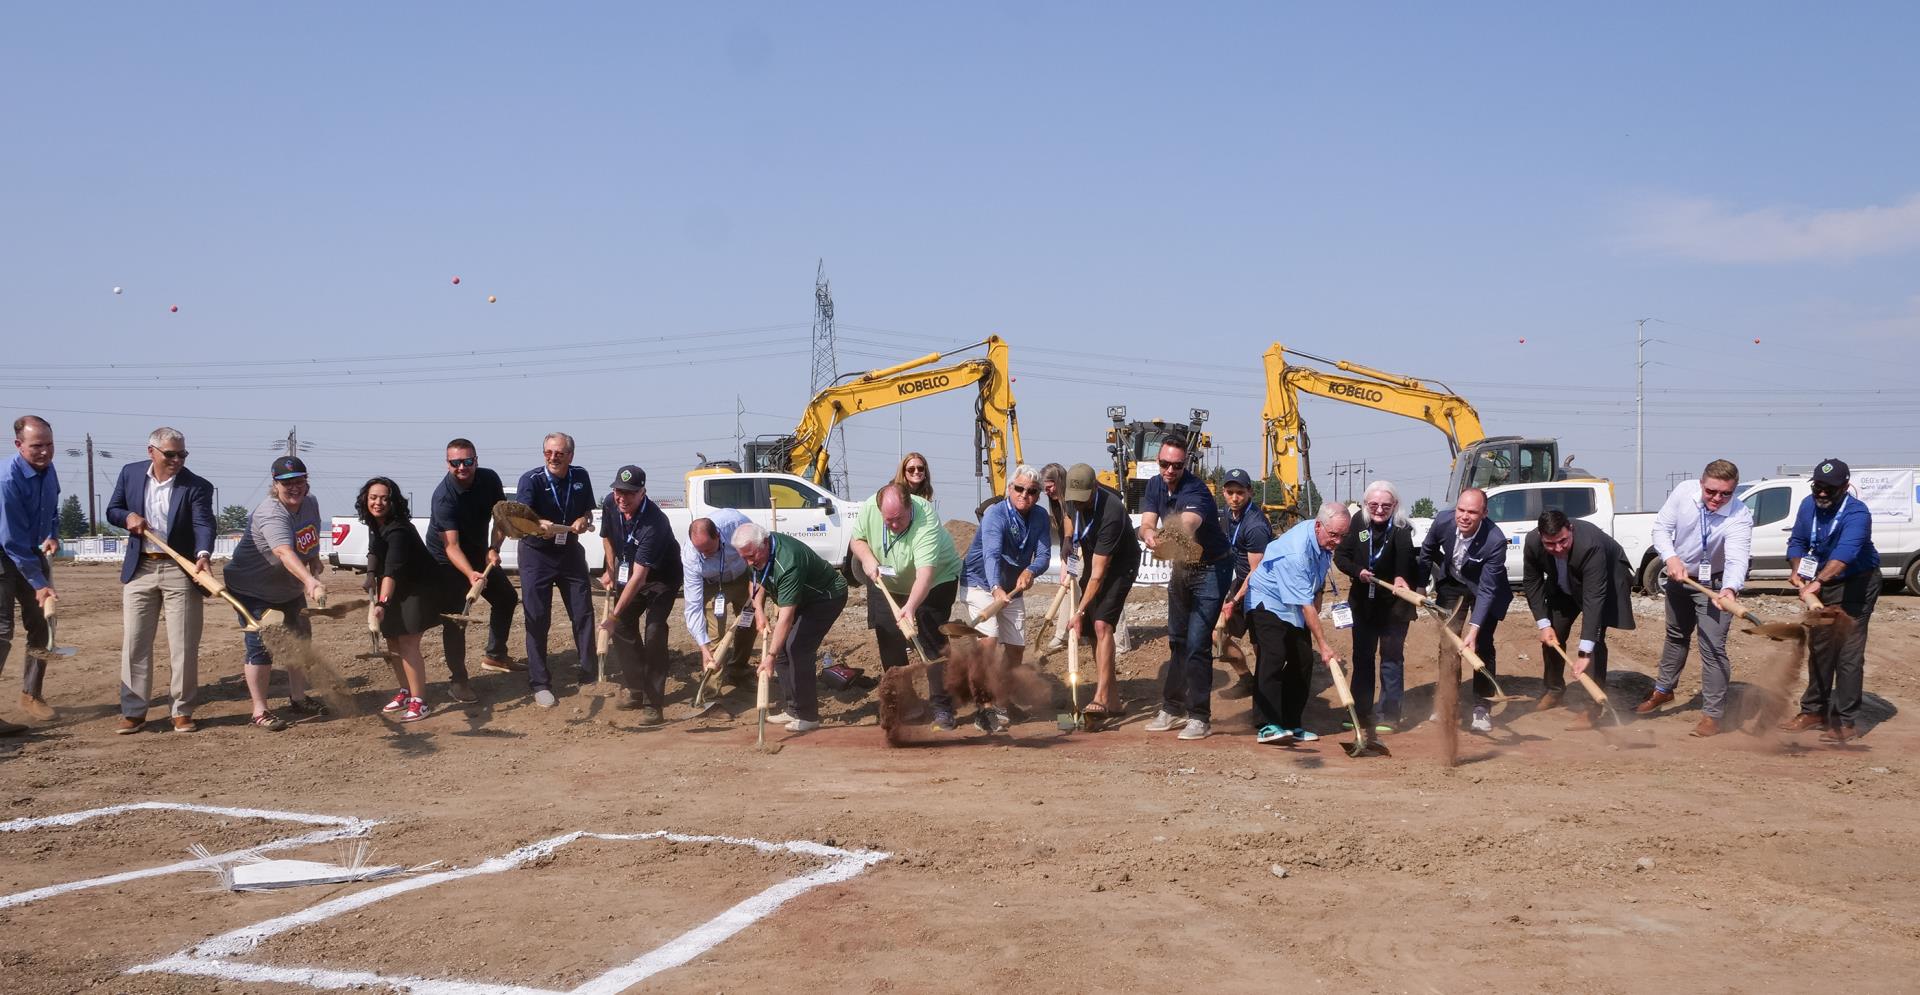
(1102, 534)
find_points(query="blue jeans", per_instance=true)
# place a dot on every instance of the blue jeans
(1193, 606)
(296, 612)
(1390, 639)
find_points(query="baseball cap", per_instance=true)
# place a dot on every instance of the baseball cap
(1831, 471)
(629, 478)
(288, 468)
(1238, 477)
(1079, 482)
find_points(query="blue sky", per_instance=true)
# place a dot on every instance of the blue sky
(1114, 188)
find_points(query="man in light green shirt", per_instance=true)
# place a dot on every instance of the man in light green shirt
(899, 542)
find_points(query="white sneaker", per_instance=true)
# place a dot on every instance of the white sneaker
(780, 718)
(544, 698)
(1165, 721)
(802, 725)
(1481, 721)
(1196, 729)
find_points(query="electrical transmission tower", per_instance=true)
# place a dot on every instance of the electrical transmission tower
(826, 369)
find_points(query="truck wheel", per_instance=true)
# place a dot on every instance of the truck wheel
(1911, 578)
(1650, 574)
(855, 576)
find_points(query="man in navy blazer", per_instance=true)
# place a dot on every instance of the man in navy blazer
(1466, 556)
(161, 498)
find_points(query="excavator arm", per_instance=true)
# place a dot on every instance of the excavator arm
(996, 425)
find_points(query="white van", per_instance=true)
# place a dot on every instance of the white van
(1891, 493)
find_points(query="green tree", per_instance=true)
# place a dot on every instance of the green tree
(233, 518)
(1423, 508)
(73, 518)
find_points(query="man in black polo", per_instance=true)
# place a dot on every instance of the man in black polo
(462, 538)
(1247, 535)
(643, 569)
(1194, 593)
(1108, 555)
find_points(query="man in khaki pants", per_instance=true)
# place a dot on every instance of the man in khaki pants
(160, 497)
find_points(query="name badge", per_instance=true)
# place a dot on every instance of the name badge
(1342, 615)
(1073, 565)
(622, 577)
(561, 539)
(1808, 568)
(745, 621)
(1706, 571)
(887, 571)
(719, 606)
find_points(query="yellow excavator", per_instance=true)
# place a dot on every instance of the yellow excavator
(1135, 445)
(996, 433)
(1478, 460)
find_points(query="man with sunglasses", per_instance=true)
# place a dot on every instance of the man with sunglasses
(159, 498)
(1704, 535)
(29, 519)
(1012, 547)
(462, 538)
(1831, 554)
(560, 494)
(1194, 593)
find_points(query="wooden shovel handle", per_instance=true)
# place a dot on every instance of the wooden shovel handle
(478, 586)
(201, 577)
(1738, 612)
(1812, 601)
(1340, 683)
(992, 610)
(1460, 646)
(1073, 643)
(1411, 597)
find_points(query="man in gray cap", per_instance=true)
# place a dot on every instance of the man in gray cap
(1832, 556)
(1247, 536)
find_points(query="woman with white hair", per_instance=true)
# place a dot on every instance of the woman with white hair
(1379, 546)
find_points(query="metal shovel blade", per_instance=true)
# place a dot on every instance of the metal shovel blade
(955, 630)
(1366, 746)
(50, 651)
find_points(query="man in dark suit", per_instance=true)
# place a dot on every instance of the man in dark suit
(160, 498)
(1466, 556)
(1568, 569)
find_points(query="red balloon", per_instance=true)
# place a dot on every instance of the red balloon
(456, 281)
(1756, 341)
(1523, 341)
(175, 309)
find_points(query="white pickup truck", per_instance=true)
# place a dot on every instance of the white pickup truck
(1516, 509)
(812, 515)
(1889, 492)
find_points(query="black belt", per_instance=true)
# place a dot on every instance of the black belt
(153, 556)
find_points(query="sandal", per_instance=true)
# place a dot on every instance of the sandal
(269, 721)
(1096, 717)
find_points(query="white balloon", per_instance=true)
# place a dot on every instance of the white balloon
(116, 290)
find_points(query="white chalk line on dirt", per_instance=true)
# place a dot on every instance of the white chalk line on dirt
(343, 827)
(211, 957)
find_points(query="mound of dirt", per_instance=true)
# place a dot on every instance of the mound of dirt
(962, 533)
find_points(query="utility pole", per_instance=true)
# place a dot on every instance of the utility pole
(93, 493)
(1640, 414)
(826, 369)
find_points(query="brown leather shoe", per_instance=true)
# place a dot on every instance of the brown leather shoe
(185, 723)
(1838, 735)
(1549, 700)
(128, 725)
(1803, 722)
(35, 707)
(1653, 702)
(1584, 719)
(11, 728)
(1708, 727)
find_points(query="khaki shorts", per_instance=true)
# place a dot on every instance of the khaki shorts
(1009, 627)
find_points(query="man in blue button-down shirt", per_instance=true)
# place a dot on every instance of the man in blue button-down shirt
(29, 516)
(1283, 609)
(1702, 534)
(712, 568)
(1831, 555)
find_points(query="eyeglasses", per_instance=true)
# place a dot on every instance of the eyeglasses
(468, 461)
(1379, 505)
(916, 469)
(1715, 492)
(1029, 491)
(1172, 464)
(556, 454)
(170, 453)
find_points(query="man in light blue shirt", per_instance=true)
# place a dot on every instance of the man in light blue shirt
(29, 518)
(1283, 609)
(1013, 545)
(1703, 535)
(712, 567)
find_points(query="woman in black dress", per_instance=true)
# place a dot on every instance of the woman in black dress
(407, 600)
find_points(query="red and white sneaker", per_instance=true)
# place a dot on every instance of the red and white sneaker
(399, 701)
(415, 711)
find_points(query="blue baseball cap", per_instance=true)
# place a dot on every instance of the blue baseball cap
(1238, 477)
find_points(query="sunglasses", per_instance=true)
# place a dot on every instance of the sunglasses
(468, 461)
(171, 453)
(1029, 491)
(916, 469)
(1172, 464)
(1825, 489)
(1716, 492)
(554, 454)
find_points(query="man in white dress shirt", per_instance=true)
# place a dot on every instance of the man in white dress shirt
(1704, 534)
(712, 567)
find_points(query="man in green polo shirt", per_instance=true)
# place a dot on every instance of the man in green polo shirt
(899, 542)
(807, 595)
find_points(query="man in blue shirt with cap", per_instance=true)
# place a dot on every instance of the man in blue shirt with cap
(1832, 556)
(1247, 536)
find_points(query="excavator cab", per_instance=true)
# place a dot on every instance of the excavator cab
(1507, 459)
(1135, 448)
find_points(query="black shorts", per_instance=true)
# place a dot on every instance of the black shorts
(1108, 603)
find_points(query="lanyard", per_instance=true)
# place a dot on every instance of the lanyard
(1706, 535)
(1233, 541)
(1831, 526)
(1083, 524)
(760, 579)
(888, 540)
(630, 530)
(559, 502)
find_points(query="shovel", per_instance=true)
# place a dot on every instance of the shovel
(1075, 718)
(1053, 611)
(473, 597)
(707, 677)
(602, 639)
(1598, 693)
(1364, 744)
(52, 650)
(971, 626)
(760, 705)
(907, 628)
(1460, 646)
(1771, 630)
(207, 581)
(374, 650)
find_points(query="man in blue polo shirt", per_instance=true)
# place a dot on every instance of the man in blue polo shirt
(29, 518)
(1832, 555)
(1181, 500)
(560, 494)
(1247, 535)
(643, 568)
(1013, 545)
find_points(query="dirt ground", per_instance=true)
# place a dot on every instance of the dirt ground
(1546, 860)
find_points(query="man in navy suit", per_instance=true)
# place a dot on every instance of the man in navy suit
(1466, 556)
(162, 499)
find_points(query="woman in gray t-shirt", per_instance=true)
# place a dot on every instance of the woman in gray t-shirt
(277, 566)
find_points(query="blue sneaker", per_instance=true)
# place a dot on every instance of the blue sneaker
(1303, 736)
(1273, 734)
(943, 720)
